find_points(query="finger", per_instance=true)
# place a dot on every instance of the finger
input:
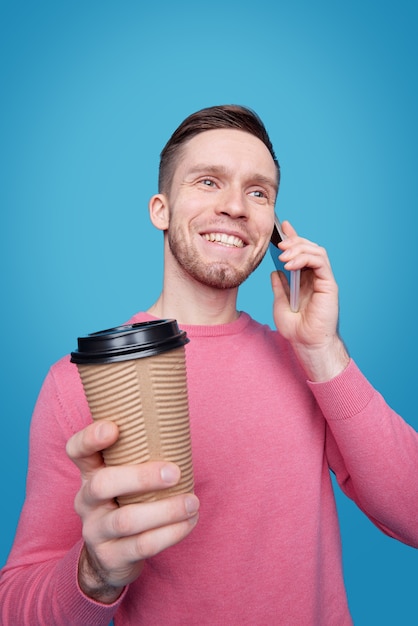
(133, 519)
(288, 229)
(297, 245)
(141, 478)
(84, 447)
(150, 543)
(304, 254)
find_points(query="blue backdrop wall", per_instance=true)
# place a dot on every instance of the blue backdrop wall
(90, 93)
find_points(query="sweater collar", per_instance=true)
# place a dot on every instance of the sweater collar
(192, 330)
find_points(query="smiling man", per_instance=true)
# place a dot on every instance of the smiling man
(218, 211)
(272, 412)
(223, 193)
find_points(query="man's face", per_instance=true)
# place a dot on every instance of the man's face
(221, 207)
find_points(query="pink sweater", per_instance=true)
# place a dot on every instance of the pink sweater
(267, 548)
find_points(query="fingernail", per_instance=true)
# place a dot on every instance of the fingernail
(170, 474)
(191, 504)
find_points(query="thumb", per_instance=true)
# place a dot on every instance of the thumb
(84, 448)
(280, 287)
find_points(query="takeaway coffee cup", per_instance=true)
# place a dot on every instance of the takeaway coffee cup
(135, 376)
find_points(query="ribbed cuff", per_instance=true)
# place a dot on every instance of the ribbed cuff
(345, 395)
(77, 609)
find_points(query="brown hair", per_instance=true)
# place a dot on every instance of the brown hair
(211, 118)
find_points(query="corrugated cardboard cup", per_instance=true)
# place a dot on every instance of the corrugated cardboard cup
(135, 376)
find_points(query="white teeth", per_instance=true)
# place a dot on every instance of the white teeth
(226, 240)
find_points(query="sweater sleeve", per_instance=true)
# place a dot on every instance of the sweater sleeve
(373, 452)
(38, 584)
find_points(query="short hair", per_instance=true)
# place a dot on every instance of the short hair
(211, 118)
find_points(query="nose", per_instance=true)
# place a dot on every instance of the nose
(233, 203)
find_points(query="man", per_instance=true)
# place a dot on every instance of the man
(271, 413)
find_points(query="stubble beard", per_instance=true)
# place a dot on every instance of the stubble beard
(216, 274)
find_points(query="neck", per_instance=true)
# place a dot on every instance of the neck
(196, 304)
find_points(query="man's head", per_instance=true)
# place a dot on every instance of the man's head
(229, 116)
(219, 182)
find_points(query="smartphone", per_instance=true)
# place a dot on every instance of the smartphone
(294, 278)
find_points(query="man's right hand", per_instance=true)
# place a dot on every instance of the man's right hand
(117, 540)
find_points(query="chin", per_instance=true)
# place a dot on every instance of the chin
(221, 277)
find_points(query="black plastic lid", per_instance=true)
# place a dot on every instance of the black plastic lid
(131, 341)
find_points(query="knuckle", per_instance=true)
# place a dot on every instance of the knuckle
(142, 548)
(122, 522)
(146, 475)
(69, 447)
(79, 503)
(96, 485)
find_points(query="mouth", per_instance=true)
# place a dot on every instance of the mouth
(230, 241)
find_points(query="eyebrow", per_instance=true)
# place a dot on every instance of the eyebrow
(206, 168)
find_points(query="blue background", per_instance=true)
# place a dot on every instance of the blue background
(91, 91)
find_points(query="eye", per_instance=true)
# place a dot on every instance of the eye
(207, 182)
(259, 193)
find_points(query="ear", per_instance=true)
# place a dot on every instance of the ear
(158, 211)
